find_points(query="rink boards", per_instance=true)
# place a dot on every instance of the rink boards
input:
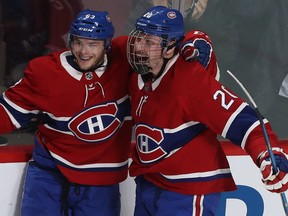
(250, 199)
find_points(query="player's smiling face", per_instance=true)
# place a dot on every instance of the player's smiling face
(88, 53)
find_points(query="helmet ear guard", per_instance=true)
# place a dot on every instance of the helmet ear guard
(176, 44)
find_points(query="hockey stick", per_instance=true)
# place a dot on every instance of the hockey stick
(268, 144)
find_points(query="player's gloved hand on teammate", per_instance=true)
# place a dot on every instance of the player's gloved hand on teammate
(197, 48)
(274, 181)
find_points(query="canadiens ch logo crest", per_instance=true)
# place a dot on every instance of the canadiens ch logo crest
(96, 123)
(149, 143)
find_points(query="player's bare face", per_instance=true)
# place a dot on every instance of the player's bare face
(148, 49)
(88, 53)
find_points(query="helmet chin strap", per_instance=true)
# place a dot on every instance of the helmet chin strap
(162, 68)
(167, 59)
(148, 76)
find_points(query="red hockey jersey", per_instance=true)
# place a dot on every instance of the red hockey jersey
(85, 118)
(178, 117)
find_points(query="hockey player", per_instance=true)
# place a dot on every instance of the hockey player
(81, 98)
(178, 109)
(83, 139)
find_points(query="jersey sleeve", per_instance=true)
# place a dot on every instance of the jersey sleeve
(226, 114)
(19, 102)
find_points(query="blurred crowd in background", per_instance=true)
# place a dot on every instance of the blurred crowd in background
(250, 38)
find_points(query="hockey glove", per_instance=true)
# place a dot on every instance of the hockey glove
(198, 48)
(274, 181)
